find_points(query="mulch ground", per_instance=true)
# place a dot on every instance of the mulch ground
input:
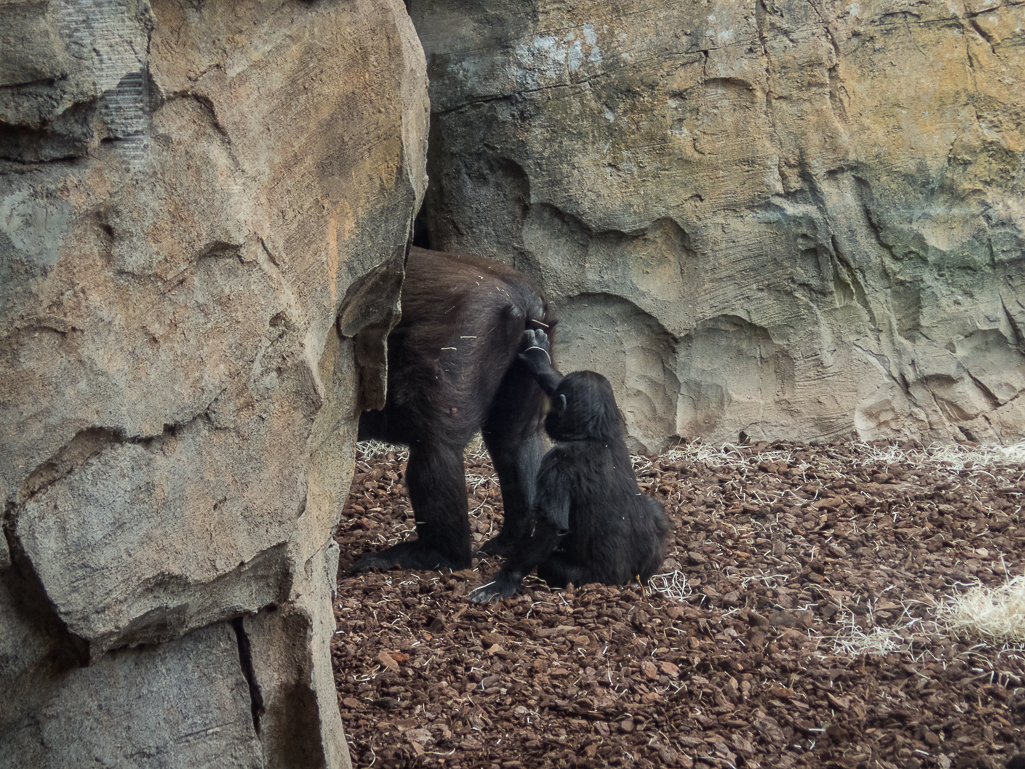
(796, 624)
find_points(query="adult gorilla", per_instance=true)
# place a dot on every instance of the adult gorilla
(453, 369)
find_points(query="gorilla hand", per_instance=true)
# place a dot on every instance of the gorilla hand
(537, 355)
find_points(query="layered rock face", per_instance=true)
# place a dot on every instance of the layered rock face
(203, 214)
(792, 219)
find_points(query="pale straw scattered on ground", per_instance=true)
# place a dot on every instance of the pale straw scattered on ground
(673, 585)
(951, 457)
(908, 635)
(991, 615)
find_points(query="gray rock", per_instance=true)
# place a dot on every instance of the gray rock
(27, 645)
(300, 724)
(204, 210)
(793, 220)
(182, 704)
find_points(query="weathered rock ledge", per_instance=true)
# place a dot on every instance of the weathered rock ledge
(204, 210)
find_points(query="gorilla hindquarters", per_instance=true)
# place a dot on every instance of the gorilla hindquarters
(453, 369)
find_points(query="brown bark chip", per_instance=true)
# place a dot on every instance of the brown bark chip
(795, 627)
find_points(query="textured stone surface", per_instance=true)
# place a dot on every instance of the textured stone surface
(203, 216)
(793, 219)
(294, 700)
(185, 703)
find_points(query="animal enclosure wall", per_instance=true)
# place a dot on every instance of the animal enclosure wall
(204, 210)
(793, 219)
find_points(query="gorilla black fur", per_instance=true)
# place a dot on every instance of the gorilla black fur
(590, 522)
(453, 369)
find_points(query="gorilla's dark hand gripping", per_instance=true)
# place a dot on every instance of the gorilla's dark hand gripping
(537, 355)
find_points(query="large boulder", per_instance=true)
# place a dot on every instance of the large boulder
(203, 214)
(791, 219)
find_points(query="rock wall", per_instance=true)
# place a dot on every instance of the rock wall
(793, 219)
(203, 215)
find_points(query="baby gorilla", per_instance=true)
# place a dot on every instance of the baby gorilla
(590, 522)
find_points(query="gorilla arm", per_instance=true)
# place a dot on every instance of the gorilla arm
(548, 525)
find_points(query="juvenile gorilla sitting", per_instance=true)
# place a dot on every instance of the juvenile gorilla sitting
(589, 522)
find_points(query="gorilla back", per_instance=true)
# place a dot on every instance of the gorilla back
(590, 521)
(453, 370)
(588, 489)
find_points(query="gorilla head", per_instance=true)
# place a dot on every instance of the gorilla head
(584, 408)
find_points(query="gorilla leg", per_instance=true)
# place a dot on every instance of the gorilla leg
(558, 570)
(516, 463)
(436, 478)
(533, 548)
(650, 550)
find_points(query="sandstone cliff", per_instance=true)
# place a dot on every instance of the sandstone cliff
(203, 212)
(795, 219)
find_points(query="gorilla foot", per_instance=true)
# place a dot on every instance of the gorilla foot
(499, 545)
(411, 555)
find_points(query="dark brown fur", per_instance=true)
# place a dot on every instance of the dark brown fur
(590, 521)
(452, 370)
